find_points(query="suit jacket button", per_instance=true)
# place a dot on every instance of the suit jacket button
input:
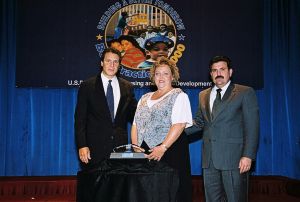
(112, 137)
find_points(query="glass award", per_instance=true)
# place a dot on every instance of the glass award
(128, 151)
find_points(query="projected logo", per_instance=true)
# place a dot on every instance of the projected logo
(142, 33)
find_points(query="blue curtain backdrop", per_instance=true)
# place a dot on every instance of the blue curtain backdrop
(36, 125)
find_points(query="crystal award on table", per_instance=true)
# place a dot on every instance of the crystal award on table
(128, 151)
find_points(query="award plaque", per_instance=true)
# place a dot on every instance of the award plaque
(128, 151)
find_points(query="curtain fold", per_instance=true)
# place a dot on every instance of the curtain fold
(36, 124)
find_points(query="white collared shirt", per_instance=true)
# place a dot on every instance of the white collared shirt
(213, 94)
(116, 90)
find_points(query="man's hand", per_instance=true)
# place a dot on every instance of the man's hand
(245, 164)
(84, 154)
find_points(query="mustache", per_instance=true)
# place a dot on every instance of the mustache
(219, 77)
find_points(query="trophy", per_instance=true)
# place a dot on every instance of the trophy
(128, 151)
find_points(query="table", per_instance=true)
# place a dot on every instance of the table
(128, 181)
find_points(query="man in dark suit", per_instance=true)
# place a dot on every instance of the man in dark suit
(230, 123)
(98, 127)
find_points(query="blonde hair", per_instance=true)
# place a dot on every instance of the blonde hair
(165, 61)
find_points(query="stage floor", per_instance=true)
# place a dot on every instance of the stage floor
(63, 189)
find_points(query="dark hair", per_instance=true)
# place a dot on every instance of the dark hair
(131, 40)
(110, 50)
(220, 58)
(124, 14)
(112, 41)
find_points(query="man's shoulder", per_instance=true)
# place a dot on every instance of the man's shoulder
(241, 88)
(124, 82)
(89, 81)
(205, 91)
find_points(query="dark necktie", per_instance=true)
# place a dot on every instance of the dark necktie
(216, 102)
(110, 99)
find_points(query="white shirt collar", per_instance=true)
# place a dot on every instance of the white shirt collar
(224, 88)
(105, 79)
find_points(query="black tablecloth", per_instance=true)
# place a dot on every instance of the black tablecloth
(128, 181)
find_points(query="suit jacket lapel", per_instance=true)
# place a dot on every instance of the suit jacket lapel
(101, 95)
(207, 97)
(230, 92)
(123, 97)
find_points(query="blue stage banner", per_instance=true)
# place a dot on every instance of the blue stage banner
(59, 43)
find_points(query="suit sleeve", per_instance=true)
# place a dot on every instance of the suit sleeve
(199, 119)
(81, 117)
(251, 124)
(198, 122)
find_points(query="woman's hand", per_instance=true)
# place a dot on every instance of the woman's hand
(156, 153)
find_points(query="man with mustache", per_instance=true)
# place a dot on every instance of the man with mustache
(229, 118)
